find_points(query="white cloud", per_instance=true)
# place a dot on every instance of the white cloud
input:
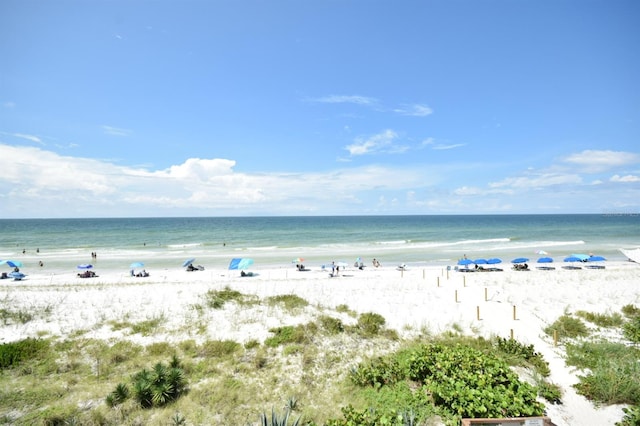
(441, 147)
(538, 181)
(627, 178)
(594, 161)
(416, 110)
(31, 138)
(379, 142)
(40, 183)
(115, 131)
(350, 99)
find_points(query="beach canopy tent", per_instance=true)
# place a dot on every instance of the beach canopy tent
(240, 263)
(520, 260)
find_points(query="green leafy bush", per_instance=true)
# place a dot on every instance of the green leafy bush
(631, 330)
(525, 352)
(461, 381)
(631, 416)
(567, 327)
(285, 335)
(551, 392)
(14, 353)
(331, 325)
(370, 324)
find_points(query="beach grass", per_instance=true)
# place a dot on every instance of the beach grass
(298, 369)
(304, 366)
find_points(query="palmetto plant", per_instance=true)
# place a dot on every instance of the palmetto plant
(156, 387)
(276, 420)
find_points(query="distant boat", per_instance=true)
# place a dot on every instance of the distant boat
(633, 255)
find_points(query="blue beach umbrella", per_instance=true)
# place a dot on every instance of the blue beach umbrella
(240, 263)
(545, 260)
(581, 257)
(465, 262)
(494, 261)
(572, 258)
(136, 265)
(596, 259)
(188, 262)
(12, 263)
(520, 260)
(85, 266)
(480, 261)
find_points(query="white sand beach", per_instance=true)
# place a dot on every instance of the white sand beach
(518, 303)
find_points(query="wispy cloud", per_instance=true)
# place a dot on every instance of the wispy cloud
(416, 110)
(8, 105)
(346, 99)
(31, 138)
(431, 142)
(376, 143)
(537, 180)
(625, 179)
(594, 161)
(116, 131)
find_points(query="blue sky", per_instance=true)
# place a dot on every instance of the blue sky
(226, 108)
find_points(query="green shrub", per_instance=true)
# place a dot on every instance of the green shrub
(613, 371)
(250, 344)
(630, 311)
(602, 320)
(159, 348)
(285, 335)
(14, 353)
(631, 330)
(370, 324)
(567, 327)
(218, 348)
(461, 381)
(523, 352)
(550, 392)
(631, 416)
(217, 298)
(331, 325)
(289, 301)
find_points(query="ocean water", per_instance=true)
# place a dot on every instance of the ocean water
(61, 244)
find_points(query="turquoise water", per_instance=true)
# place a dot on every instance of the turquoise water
(274, 241)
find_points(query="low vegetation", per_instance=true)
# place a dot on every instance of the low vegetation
(340, 369)
(611, 372)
